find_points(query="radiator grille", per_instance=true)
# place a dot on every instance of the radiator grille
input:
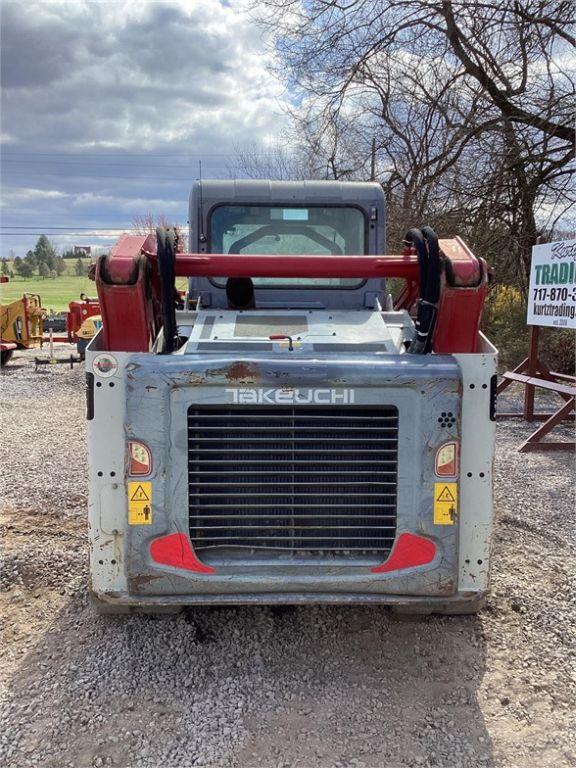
(299, 479)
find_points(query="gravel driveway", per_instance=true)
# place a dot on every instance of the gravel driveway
(306, 687)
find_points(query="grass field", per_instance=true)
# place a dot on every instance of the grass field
(55, 293)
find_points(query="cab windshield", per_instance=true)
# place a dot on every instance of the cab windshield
(287, 231)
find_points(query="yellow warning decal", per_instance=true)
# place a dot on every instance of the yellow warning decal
(140, 503)
(445, 503)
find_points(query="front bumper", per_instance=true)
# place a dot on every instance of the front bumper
(459, 603)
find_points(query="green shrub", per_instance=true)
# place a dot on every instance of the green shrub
(558, 349)
(504, 323)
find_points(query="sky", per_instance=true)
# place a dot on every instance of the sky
(108, 108)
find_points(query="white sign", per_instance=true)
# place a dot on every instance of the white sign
(552, 297)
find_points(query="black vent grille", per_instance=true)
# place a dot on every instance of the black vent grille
(302, 479)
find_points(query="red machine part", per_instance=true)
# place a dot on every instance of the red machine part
(78, 311)
(409, 551)
(176, 550)
(120, 264)
(266, 265)
(126, 281)
(408, 296)
(465, 284)
(128, 286)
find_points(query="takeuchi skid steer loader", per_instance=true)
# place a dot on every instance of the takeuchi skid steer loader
(288, 434)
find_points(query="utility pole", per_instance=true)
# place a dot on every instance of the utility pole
(373, 161)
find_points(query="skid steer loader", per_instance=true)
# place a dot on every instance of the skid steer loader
(291, 434)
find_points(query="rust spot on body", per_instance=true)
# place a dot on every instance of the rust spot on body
(241, 371)
(118, 547)
(141, 579)
(194, 379)
(446, 587)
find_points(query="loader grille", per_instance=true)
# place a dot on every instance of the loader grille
(302, 479)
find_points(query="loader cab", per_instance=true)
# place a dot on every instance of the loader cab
(287, 218)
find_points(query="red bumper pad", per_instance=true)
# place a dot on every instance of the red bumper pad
(409, 551)
(176, 550)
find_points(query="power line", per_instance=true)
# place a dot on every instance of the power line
(57, 234)
(18, 213)
(72, 227)
(195, 155)
(98, 176)
(96, 164)
(110, 235)
(66, 229)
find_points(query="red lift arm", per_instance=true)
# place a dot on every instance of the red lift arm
(128, 286)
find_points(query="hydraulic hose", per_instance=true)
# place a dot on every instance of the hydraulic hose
(166, 255)
(432, 295)
(425, 243)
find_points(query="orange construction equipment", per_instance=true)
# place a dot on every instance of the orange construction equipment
(21, 325)
(78, 312)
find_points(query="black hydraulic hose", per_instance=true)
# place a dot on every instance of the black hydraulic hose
(432, 294)
(166, 255)
(415, 238)
(425, 242)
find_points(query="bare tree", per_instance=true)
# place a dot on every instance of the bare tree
(469, 104)
(146, 224)
(276, 163)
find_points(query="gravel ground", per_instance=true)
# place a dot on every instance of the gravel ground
(326, 687)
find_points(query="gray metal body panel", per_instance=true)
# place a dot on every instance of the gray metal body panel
(149, 400)
(160, 392)
(363, 331)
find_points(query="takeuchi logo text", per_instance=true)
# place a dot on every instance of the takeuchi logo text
(291, 396)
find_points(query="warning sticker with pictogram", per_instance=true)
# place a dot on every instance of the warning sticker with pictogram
(445, 494)
(140, 494)
(140, 503)
(445, 503)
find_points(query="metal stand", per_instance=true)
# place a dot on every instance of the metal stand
(57, 361)
(533, 373)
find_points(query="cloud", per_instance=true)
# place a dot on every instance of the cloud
(111, 105)
(24, 195)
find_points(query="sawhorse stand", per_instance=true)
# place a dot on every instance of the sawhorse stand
(533, 373)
